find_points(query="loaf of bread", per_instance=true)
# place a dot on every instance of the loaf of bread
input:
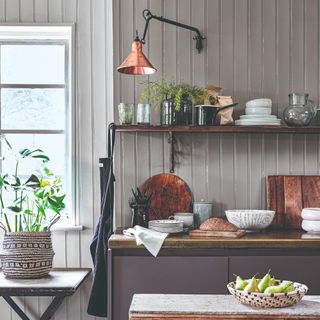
(217, 224)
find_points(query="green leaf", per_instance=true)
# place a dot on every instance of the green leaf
(33, 182)
(41, 156)
(28, 212)
(48, 172)
(15, 209)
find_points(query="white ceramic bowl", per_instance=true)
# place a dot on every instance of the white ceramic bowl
(311, 226)
(257, 110)
(312, 214)
(250, 220)
(264, 102)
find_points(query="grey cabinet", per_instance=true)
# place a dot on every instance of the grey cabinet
(180, 275)
(304, 269)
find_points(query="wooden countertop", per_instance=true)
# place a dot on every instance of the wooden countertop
(173, 306)
(268, 240)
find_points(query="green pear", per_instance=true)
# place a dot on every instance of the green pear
(264, 283)
(281, 288)
(252, 285)
(272, 282)
(290, 288)
(240, 283)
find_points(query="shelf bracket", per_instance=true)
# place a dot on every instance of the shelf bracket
(172, 142)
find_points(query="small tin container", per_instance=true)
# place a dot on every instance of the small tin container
(202, 210)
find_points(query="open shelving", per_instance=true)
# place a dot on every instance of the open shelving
(171, 130)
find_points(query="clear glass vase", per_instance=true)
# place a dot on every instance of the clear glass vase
(300, 111)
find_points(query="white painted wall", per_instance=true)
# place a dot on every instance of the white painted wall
(94, 100)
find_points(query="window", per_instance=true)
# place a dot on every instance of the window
(35, 96)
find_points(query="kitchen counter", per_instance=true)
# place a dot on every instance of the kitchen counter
(204, 266)
(266, 240)
(166, 306)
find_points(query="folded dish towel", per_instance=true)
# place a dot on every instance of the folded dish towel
(151, 239)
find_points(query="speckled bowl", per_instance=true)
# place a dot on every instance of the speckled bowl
(268, 300)
(250, 220)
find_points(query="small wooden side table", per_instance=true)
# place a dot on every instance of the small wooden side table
(60, 283)
(214, 307)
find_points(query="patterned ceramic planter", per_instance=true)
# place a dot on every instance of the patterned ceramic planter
(26, 255)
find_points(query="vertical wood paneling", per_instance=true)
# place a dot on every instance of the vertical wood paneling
(170, 39)
(41, 13)
(283, 53)
(12, 11)
(269, 51)
(254, 48)
(297, 45)
(311, 75)
(240, 54)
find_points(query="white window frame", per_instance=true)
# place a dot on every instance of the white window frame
(51, 34)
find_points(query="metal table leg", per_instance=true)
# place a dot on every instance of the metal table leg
(52, 308)
(15, 307)
(47, 315)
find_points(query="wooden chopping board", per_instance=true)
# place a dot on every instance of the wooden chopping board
(170, 194)
(216, 234)
(288, 195)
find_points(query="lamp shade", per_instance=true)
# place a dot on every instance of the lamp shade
(136, 63)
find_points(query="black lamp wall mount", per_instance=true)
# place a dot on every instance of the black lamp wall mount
(149, 16)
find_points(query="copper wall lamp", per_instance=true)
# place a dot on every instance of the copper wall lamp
(136, 63)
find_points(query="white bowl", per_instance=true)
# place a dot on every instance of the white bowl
(257, 110)
(312, 214)
(251, 220)
(264, 102)
(311, 226)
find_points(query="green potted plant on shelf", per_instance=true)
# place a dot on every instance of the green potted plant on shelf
(29, 206)
(175, 100)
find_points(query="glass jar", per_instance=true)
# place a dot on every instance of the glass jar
(125, 113)
(300, 111)
(143, 114)
(184, 116)
(167, 112)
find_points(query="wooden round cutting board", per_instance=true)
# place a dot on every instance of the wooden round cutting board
(170, 194)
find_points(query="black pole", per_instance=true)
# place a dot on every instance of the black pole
(148, 16)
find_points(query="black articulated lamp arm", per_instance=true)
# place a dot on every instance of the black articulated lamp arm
(148, 16)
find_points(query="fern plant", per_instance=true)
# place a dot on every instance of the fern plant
(165, 88)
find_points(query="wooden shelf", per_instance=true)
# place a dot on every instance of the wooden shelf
(172, 130)
(219, 129)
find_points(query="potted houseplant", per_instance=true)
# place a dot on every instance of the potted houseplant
(140, 206)
(29, 206)
(175, 100)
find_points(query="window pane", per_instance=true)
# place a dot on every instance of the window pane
(53, 146)
(37, 64)
(33, 109)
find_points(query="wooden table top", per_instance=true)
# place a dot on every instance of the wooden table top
(268, 240)
(64, 281)
(171, 306)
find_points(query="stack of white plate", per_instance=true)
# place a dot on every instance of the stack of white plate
(258, 113)
(167, 226)
(311, 220)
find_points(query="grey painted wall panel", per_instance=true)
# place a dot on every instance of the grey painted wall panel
(254, 48)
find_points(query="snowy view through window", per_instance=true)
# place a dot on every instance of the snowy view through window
(35, 103)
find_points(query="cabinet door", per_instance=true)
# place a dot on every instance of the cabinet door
(194, 275)
(303, 269)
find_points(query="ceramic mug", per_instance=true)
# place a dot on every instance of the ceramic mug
(185, 217)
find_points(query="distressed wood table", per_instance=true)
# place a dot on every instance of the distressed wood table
(60, 283)
(214, 307)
